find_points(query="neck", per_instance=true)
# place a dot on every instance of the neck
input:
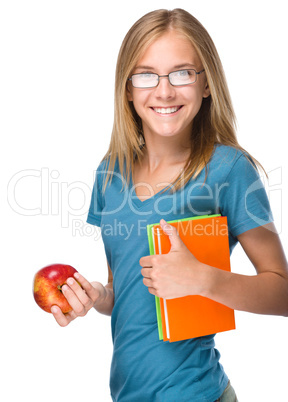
(171, 147)
(165, 151)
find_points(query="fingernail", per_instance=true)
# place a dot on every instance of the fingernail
(70, 281)
(76, 275)
(53, 310)
(168, 229)
(64, 288)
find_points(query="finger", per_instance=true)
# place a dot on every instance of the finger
(168, 229)
(146, 261)
(80, 293)
(147, 282)
(61, 319)
(86, 285)
(152, 291)
(171, 231)
(73, 300)
(146, 272)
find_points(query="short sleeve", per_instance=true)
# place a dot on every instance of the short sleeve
(243, 198)
(97, 200)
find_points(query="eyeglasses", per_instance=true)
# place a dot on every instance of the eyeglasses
(176, 78)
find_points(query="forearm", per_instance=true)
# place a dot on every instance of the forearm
(265, 293)
(105, 303)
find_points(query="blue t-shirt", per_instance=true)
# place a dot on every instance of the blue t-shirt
(143, 368)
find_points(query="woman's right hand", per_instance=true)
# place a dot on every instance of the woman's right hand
(81, 298)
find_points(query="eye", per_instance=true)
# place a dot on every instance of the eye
(146, 75)
(183, 73)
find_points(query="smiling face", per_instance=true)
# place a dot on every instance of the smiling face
(167, 110)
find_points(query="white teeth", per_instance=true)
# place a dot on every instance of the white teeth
(167, 110)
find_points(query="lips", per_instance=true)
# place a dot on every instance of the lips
(166, 110)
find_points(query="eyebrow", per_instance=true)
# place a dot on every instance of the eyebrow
(185, 65)
(175, 67)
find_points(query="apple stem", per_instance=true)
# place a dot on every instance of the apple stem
(60, 288)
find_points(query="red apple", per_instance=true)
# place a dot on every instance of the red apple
(48, 282)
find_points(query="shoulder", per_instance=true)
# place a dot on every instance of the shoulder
(105, 167)
(226, 154)
(226, 159)
(108, 176)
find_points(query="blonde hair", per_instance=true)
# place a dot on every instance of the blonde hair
(215, 122)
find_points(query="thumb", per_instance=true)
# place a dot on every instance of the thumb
(171, 231)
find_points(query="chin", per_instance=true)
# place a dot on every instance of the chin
(169, 132)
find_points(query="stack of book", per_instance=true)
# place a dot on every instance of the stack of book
(193, 316)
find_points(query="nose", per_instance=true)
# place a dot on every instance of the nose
(164, 89)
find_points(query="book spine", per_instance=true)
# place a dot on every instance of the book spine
(157, 300)
(164, 300)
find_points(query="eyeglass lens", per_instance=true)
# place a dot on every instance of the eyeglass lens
(150, 80)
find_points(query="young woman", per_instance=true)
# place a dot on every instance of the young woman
(174, 154)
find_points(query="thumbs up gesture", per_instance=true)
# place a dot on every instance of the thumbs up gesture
(175, 274)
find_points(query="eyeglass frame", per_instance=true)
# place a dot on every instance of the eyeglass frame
(168, 75)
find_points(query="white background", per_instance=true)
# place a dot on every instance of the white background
(57, 75)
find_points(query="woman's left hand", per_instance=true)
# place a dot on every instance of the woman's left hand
(175, 274)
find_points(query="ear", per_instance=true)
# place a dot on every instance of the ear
(206, 91)
(129, 91)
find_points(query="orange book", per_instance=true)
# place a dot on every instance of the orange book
(193, 316)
